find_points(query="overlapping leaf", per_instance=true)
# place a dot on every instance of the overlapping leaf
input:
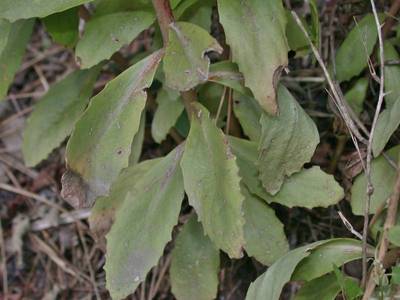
(248, 112)
(23, 9)
(322, 288)
(106, 34)
(212, 183)
(143, 224)
(13, 40)
(100, 145)
(287, 142)
(194, 265)
(263, 232)
(255, 31)
(55, 115)
(185, 63)
(383, 177)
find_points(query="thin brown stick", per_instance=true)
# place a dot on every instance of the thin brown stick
(390, 221)
(370, 187)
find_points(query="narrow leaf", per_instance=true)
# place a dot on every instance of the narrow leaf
(392, 75)
(167, 113)
(287, 142)
(150, 211)
(15, 37)
(363, 36)
(100, 145)
(24, 9)
(263, 232)
(212, 183)
(255, 31)
(106, 34)
(185, 63)
(194, 265)
(355, 97)
(383, 177)
(54, 117)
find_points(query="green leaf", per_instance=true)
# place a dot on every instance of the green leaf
(194, 265)
(269, 285)
(388, 122)
(104, 7)
(102, 214)
(150, 211)
(323, 288)
(14, 38)
(350, 63)
(322, 259)
(392, 75)
(287, 142)
(212, 183)
(64, 27)
(348, 285)
(308, 188)
(394, 235)
(196, 12)
(227, 73)
(355, 97)
(248, 112)
(24, 9)
(295, 36)
(106, 34)
(263, 232)
(137, 143)
(396, 275)
(54, 117)
(100, 145)
(185, 63)
(383, 177)
(255, 31)
(167, 113)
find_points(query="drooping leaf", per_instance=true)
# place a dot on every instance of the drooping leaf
(248, 112)
(106, 34)
(269, 285)
(168, 111)
(308, 188)
(100, 145)
(355, 97)
(54, 117)
(363, 36)
(322, 288)
(388, 122)
(185, 63)
(394, 235)
(255, 31)
(227, 74)
(14, 38)
(143, 225)
(322, 259)
(103, 212)
(212, 183)
(64, 27)
(383, 177)
(392, 75)
(23, 9)
(287, 142)
(194, 265)
(263, 232)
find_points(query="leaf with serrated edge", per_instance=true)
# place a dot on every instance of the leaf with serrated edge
(185, 63)
(255, 31)
(363, 36)
(194, 265)
(263, 232)
(100, 145)
(23, 9)
(12, 48)
(106, 34)
(167, 113)
(287, 142)
(55, 115)
(383, 177)
(212, 183)
(143, 225)
(308, 188)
